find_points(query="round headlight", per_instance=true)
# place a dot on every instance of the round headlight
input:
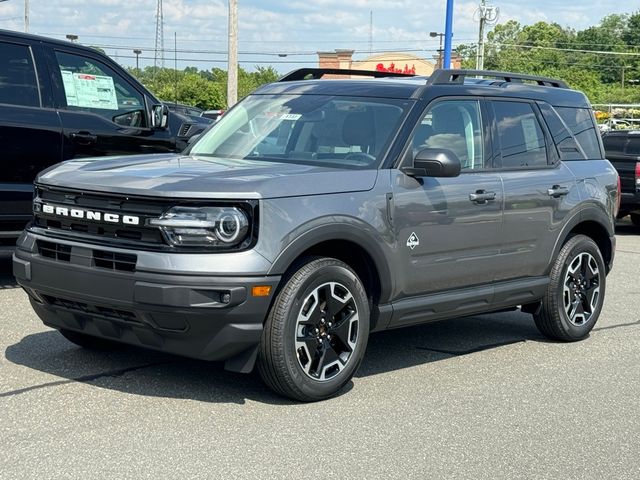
(203, 226)
(229, 227)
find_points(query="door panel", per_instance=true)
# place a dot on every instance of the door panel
(102, 112)
(537, 195)
(533, 218)
(90, 135)
(455, 240)
(31, 136)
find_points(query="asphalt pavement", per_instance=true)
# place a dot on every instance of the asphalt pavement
(484, 397)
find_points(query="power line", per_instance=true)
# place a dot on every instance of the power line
(598, 52)
(254, 61)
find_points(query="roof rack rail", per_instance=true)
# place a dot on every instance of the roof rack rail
(316, 73)
(446, 76)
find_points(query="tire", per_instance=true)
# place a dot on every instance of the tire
(574, 297)
(89, 342)
(635, 219)
(316, 332)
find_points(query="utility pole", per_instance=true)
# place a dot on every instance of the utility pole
(26, 16)
(480, 53)
(487, 14)
(232, 74)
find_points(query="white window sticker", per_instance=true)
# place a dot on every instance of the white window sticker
(89, 91)
(530, 133)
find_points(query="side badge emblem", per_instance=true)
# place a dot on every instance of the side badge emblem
(413, 241)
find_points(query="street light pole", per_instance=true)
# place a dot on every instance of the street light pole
(137, 52)
(434, 35)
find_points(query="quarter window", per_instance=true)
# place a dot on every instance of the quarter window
(521, 139)
(18, 84)
(581, 123)
(91, 86)
(454, 125)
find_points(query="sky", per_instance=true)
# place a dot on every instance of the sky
(284, 34)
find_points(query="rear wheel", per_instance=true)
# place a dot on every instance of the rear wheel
(575, 293)
(316, 332)
(89, 342)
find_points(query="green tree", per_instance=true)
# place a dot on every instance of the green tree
(206, 89)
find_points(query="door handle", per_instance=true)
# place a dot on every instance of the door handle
(482, 196)
(84, 138)
(557, 191)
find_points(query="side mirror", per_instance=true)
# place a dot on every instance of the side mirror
(434, 162)
(159, 116)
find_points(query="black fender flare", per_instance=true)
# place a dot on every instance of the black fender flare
(347, 229)
(588, 213)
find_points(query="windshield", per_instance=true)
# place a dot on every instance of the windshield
(321, 130)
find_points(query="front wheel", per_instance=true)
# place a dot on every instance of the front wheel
(575, 294)
(635, 219)
(316, 333)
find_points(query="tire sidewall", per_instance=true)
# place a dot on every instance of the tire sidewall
(339, 273)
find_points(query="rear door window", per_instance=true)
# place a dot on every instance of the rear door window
(522, 142)
(18, 83)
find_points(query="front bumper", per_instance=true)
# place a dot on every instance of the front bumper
(209, 317)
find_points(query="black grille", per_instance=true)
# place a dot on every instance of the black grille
(134, 235)
(115, 261)
(185, 129)
(55, 251)
(81, 307)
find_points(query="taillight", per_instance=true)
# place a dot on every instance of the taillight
(637, 172)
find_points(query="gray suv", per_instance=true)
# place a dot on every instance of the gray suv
(317, 211)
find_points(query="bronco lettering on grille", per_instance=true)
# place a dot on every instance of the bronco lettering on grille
(90, 215)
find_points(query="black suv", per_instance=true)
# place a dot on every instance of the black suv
(622, 148)
(60, 100)
(318, 211)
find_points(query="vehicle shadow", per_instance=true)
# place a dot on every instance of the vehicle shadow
(143, 372)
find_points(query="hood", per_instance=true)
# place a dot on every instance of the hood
(174, 175)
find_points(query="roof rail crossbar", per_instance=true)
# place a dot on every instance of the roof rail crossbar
(316, 73)
(446, 76)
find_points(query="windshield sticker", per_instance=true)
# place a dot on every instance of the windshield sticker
(281, 116)
(89, 91)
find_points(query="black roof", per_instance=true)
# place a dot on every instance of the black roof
(442, 82)
(43, 39)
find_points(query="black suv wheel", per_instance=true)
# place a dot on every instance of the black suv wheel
(316, 332)
(575, 293)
